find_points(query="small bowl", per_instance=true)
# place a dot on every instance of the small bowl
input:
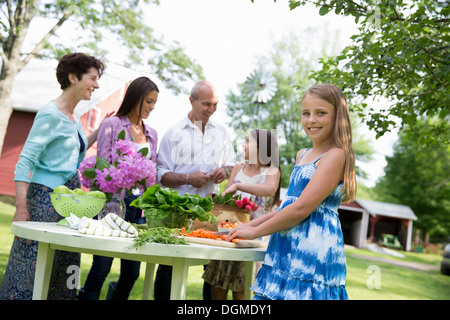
(220, 229)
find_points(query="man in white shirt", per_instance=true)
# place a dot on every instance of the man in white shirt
(194, 156)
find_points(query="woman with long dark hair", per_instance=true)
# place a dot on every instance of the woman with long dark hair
(139, 101)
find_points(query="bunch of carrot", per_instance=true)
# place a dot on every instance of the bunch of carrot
(202, 233)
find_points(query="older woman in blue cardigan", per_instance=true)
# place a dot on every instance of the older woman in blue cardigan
(50, 157)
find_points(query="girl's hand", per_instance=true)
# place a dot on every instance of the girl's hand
(241, 231)
(231, 189)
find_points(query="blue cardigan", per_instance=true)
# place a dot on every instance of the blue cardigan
(52, 149)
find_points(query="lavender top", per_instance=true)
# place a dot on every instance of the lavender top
(110, 129)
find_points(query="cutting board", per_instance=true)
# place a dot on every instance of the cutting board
(222, 243)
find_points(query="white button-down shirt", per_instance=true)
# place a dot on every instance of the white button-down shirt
(185, 149)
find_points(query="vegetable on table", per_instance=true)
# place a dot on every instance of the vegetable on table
(160, 203)
(235, 201)
(228, 224)
(159, 235)
(202, 233)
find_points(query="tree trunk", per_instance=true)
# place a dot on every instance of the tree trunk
(9, 72)
(417, 238)
(19, 22)
(5, 107)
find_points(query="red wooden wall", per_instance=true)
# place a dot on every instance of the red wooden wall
(19, 125)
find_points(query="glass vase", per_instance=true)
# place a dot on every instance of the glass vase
(115, 205)
(174, 220)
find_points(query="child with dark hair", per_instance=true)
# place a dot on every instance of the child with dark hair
(257, 178)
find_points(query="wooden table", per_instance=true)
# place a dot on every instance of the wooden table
(53, 237)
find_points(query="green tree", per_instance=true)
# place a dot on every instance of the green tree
(420, 180)
(122, 20)
(289, 64)
(401, 53)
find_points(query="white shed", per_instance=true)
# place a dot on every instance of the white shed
(367, 219)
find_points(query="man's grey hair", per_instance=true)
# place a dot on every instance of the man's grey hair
(196, 87)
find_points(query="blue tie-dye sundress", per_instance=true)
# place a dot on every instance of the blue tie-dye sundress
(306, 261)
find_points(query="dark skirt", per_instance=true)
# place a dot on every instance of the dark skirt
(18, 279)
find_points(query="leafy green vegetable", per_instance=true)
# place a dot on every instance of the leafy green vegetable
(228, 199)
(159, 235)
(160, 203)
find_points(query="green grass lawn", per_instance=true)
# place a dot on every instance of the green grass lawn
(394, 282)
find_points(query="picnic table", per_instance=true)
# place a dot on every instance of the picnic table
(53, 237)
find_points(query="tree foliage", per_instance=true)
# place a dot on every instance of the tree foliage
(401, 54)
(420, 180)
(95, 23)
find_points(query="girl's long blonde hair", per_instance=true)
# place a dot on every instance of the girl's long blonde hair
(342, 133)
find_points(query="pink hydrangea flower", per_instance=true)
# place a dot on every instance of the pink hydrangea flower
(128, 170)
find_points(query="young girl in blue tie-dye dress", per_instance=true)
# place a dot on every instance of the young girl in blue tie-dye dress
(305, 257)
